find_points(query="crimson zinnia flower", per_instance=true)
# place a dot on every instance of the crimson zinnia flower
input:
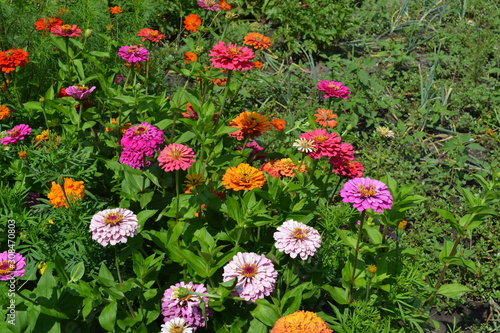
(328, 145)
(66, 30)
(150, 34)
(133, 53)
(333, 89)
(176, 156)
(12, 58)
(231, 56)
(367, 193)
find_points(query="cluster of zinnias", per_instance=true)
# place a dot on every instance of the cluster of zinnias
(12, 58)
(139, 143)
(11, 265)
(243, 177)
(333, 89)
(301, 322)
(282, 168)
(366, 193)
(176, 156)
(66, 30)
(73, 192)
(16, 134)
(297, 239)
(250, 125)
(178, 303)
(231, 56)
(151, 35)
(255, 274)
(112, 226)
(133, 53)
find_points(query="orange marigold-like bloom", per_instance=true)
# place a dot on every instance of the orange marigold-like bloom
(73, 192)
(326, 118)
(12, 58)
(243, 177)
(41, 137)
(46, 23)
(257, 64)
(258, 41)
(23, 154)
(115, 10)
(4, 112)
(282, 168)
(270, 169)
(279, 124)
(189, 57)
(224, 5)
(250, 124)
(301, 322)
(192, 22)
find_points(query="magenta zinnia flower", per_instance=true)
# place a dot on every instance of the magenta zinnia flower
(16, 134)
(367, 193)
(327, 144)
(140, 142)
(79, 92)
(256, 275)
(176, 305)
(133, 53)
(112, 226)
(66, 30)
(11, 265)
(176, 156)
(231, 56)
(333, 89)
(209, 5)
(295, 238)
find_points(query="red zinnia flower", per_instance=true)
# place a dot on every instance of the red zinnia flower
(279, 124)
(10, 59)
(192, 22)
(115, 10)
(224, 5)
(150, 34)
(66, 30)
(47, 23)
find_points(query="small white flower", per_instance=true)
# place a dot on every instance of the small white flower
(304, 145)
(176, 325)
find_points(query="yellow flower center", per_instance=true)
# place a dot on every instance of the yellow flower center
(367, 191)
(153, 33)
(6, 267)
(9, 53)
(233, 51)
(299, 233)
(132, 49)
(176, 329)
(140, 130)
(66, 28)
(81, 88)
(14, 132)
(333, 86)
(248, 270)
(320, 138)
(113, 218)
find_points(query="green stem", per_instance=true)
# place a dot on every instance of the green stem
(356, 255)
(177, 195)
(117, 265)
(226, 91)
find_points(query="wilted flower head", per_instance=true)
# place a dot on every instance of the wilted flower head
(112, 226)
(133, 53)
(333, 89)
(79, 92)
(176, 305)
(17, 133)
(11, 265)
(231, 56)
(385, 132)
(255, 273)
(367, 193)
(150, 34)
(66, 30)
(176, 156)
(243, 177)
(301, 322)
(297, 239)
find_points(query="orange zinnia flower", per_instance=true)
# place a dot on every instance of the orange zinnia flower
(23, 155)
(4, 112)
(326, 118)
(284, 167)
(192, 22)
(73, 192)
(115, 10)
(47, 23)
(250, 124)
(243, 177)
(257, 64)
(189, 57)
(258, 41)
(41, 137)
(279, 124)
(123, 128)
(224, 5)
(301, 322)
(10, 59)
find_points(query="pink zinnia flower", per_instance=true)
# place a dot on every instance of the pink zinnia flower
(367, 193)
(16, 134)
(346, 167)
(79, 92)
(333, 89)
(256, 275)
(176, 305)
(212, 5)
(112, 226)
(133, 53)
(176, 156)
(295, 238)
(150, 34)
(66, 30)
(231, 56)
(327, 144)
(140, 142)
(11, 265)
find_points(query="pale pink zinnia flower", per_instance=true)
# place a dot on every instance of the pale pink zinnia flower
(112, 226)
(256, 275)
(133, 53)
(333, 89)
(176, 156)
(66, 30)
(11, 265)
(367, 193)
(176, 325)
(79, 92)
(231, 56)
(212, 5)
(175, 304)
(295, 238)
(16, 134)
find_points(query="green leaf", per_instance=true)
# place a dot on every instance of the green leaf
(338, 294)
(452, 290)
(107, 318)
(266, 312)
(345, 237)
(77, 272)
